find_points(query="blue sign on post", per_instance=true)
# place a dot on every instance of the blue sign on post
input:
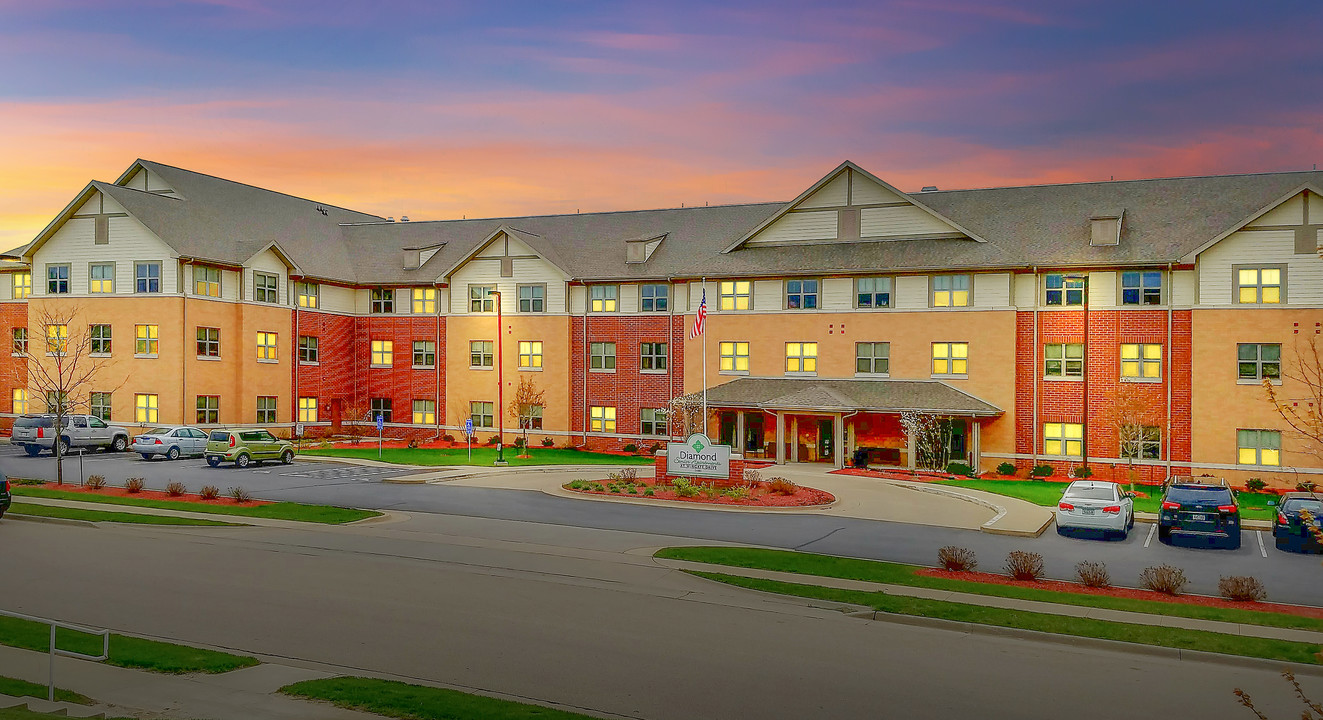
(468, 426)
(381, 423)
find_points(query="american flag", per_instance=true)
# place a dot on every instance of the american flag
(702, 317)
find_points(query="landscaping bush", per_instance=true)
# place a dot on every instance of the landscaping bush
(174, 488)
(649, 492)
(738, 492)
(1083, 471)
(781, 486)
(95, 482)
(959, 468)
(493, 439)
(655, 448)
(519, 443)
(957, 559)
(1242, 587)
(752, 477)
(26, 481)
(630, 448)
(1255, 484)
(1006, 469)
(239, 495)
(448, 437)
(209, 492)
(1093, 574)
(1306, 486)
(1023, 565)
(1164, 579)
(685, 487)
(548, 442)
(1041, 471)
(133, 485)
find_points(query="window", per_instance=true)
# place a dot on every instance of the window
(652, 357)
(482, 353)
(424, 353)
(208, 409)
(602, 418)
(1063, 439)
(652, 421)
(266, 346)
(654, 298)
(801, 294)
(266, 408)
(1141, 442)
(481, 299)
(309, 294)
(802, 357)
(383, 301)
(145, 408)
(424, 412)
(736, 294)
(950, 358)
(1063, 360)
(100, 339)
(530, 354)
(57, 401)
(266, 287)
(1265, 285)
(57, 339)
(208, 342)
(1259, 447)
(206, 281)
(22, 285)
(1259, 361)
(602, 298)
(872, 358)
(57, 279)
(99, 405)
(101, 278)
(20, 401)
(308, 349)
(735, 357)
(532, 298)
(20, 341)
(481, 414)
(307, 409)
(380, 407)
(147, 339)
(147, 277)
(1141, 287)
(1064, 289)
(872, 292)
(602, 356)
(1141, 361)
(424, 301)
(951, 291)
(530, 417)
(383, 353)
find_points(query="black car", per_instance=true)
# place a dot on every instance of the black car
(4, 495)
(1289, 530)
(1204, 511)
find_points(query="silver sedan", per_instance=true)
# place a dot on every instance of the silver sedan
(170, 441)
(1096, 505)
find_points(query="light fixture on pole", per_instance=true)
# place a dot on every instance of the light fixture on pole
(500, 381)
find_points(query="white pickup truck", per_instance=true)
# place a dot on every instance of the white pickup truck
(37, 432)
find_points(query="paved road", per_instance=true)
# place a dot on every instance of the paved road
(1289, 577)
(580, 617)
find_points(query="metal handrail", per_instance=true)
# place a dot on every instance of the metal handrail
(105, 643)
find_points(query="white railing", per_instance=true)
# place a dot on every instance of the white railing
(105, 644)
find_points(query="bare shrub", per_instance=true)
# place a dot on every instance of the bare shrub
(174, 489)
(1242, 587)
(752, 477)
(629, 473)
(95, 482)
(1164, 579)
(239, 495)
(957, 559)
(781, 486)
(1093, 574)
(209, 492)
(133, 485)
(1023, 565)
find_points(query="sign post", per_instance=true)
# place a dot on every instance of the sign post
(468, 433)
(381, 423)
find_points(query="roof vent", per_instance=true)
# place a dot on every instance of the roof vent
(639, 250)
(1106, 229)
(404, 218)
(929, 188)
(390, 219)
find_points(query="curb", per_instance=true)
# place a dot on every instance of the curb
(987, 527)
(49, 520)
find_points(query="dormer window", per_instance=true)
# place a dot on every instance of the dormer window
(1105, 229)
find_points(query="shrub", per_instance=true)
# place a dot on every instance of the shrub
(493, 439)
(1241, 587)
(1093, 574)
(174, 489)
(752, 477)
(26, 481)
(738, 492)
(95, 482)
(1041, 471)
(655, 448)
(684, 487)
(1005, 469)
(448, 437)
(630, 474)
(1164, 579)
(239, 495)
(133, 485)
(959, 468)
(1023, 565)
(630, 448)
(519, 442)
(1306, 486)
(1082, 471)
(209, 492)
(548, 442)
(1255, 484)
(957, 559)
(649, 493)
(781, 486)
(412, 444)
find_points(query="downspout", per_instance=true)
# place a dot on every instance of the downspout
(183, 353)
(1170, 363)
(1084, 441)
(584, 359)
(298, 361)
(437, 361)
(1034, 420)
(670, 339)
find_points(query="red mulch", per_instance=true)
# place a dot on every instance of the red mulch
(758, 496)
(155, 495)
(1132, 593)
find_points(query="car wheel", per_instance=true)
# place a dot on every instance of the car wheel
(172, 453)
(1164, 533)
(64, 446)
(32, 450)
(1130, 524)
(1281, 543)
(242, 461)
(146, 456)
(287, 457)
(213, 461)
(120, 444)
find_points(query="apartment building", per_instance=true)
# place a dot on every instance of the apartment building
(1093, 323)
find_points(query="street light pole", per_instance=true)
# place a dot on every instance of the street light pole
(500, 382)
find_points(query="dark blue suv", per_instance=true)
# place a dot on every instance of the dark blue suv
(4, 495)
(1202, 509)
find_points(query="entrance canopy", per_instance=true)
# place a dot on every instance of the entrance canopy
(834, 396)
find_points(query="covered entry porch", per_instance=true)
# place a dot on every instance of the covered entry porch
(829, 421)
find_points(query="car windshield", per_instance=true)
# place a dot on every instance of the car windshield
(1091, 493)
(157, 431)
(220, 435)
(1298, 504)
(1186, 495)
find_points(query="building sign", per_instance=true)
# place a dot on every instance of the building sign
(698, 456)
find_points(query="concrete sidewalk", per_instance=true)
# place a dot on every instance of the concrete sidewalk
(238, 520)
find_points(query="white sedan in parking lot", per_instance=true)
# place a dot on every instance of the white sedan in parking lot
(1096, 505)
(172, 442)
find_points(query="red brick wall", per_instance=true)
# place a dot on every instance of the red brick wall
(736, 476)
(627, 388)
(14, 370)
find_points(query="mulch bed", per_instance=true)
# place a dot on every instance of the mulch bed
(154, 495)
(759, 496)
(1131, 593)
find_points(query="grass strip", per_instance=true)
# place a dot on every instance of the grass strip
(900, 574)
(325, 514)
(484, 456)
(22, 688)
(16, 714)
(417, 702)
(1245, 646)
(125, 651)
(1253, 506)
(53, 511)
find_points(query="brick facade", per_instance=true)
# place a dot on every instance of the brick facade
(628, 388)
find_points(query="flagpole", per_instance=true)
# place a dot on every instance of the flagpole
(705, 364)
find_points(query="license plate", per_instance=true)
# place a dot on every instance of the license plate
(1198, 517)
(1089, 511)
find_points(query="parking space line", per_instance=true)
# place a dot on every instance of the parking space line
(1262, 550)
(1151, 529)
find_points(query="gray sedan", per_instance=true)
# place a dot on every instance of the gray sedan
(1096, 505)
(170, 442)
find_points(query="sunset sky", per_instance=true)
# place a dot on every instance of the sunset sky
(442, 109)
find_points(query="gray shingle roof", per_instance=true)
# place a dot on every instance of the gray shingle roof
(880, 395)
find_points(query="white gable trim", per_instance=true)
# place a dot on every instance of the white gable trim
(1311, 187)
(502, 231)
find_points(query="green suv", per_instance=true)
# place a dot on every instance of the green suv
(247, 446)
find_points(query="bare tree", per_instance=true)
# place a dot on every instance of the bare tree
(931, 451)
(1132, 416)
(357, 412)
(527, 396)
(1299, 400)
(687, 413)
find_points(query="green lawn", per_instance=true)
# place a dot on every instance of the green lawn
(16, 714)
(1283, 650)
(14, 687)
(416, 702)
(1253, 506)
(53, 511)
(325, 514)
(482, 456)
(128, 652)
(898, 574)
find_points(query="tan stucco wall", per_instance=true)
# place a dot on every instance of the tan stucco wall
(464, 385)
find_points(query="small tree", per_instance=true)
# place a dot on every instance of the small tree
(687, 414)
(527, 396)
(931, 451)
(1299, 400)
(1129, 415)
(357, 413)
